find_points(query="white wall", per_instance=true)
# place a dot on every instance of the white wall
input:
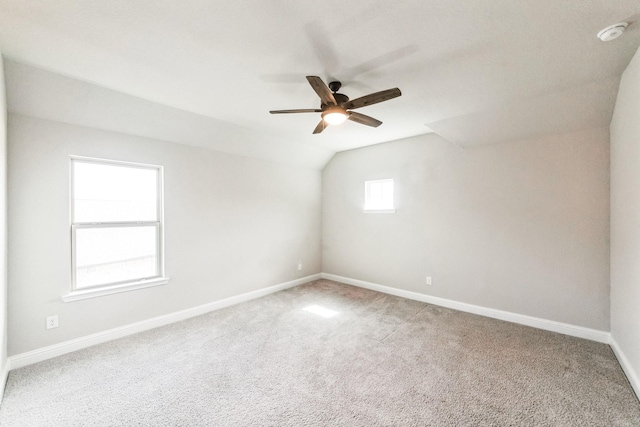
(625, 221)
(233, 225)
(3, 229)
(521, 227)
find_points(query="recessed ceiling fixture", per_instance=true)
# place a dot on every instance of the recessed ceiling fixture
(334, 106)
(612, 31)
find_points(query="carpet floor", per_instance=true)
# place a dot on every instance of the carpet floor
(328, 354)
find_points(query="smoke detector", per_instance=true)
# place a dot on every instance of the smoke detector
(612, 31)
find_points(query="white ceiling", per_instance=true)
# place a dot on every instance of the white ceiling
(474, 71)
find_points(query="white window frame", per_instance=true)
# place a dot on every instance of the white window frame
(122, 286)
(367, 195)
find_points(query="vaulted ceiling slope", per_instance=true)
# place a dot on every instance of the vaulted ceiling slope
(35, 92)
(474, 71)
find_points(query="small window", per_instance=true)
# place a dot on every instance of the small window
(378, 196)
(116, 227)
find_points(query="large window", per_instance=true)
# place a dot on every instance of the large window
(116, 227)
(378, 196)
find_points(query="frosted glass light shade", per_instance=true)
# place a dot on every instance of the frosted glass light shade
(334, 116)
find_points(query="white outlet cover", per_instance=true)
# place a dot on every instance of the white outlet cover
(52, 322)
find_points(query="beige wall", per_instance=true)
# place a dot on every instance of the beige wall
(521, 227)
(625, 220)
(233, 225)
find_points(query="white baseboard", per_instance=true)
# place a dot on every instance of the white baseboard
(38, 355)
(632, 376)
(30, 357)
(4, 374)
(536, 322)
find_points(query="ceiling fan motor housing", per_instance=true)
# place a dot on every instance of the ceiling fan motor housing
(340, 98)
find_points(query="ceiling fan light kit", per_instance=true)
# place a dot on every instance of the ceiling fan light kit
(334, 106)
(334, 115)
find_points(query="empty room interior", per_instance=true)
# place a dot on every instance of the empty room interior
(417, 213)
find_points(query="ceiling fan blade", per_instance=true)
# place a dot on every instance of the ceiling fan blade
(373, 98)
(364, 120)
(304, 110)
(321, 126)
(322, 90)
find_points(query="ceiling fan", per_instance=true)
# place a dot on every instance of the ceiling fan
(335, 107)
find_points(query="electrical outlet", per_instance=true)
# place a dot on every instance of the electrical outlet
(428, 280)
(52, 322)
(300, 266)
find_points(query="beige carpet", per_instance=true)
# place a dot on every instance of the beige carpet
(379, 361)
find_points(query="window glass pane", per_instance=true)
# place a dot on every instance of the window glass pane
(115, 254)
(379, 194)
(387, 190)
(376, 190)
(109, 193)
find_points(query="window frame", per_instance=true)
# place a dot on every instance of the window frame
(78, 293)
(367, 192)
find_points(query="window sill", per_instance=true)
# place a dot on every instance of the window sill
(379, 210)
(108, 290)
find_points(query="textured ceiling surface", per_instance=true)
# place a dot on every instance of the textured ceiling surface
(474, 71)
